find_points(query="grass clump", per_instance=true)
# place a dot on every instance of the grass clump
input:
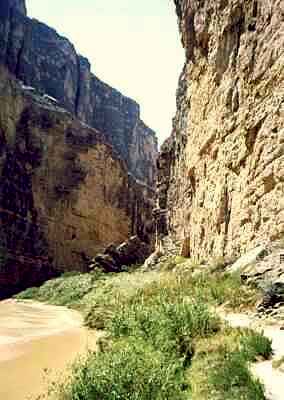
(230, 375)
(215, 289)
(131, 370)
(220, 367)
(221, 289)
(170, 327)
(255, 345)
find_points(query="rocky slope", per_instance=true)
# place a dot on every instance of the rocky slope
(64, 193)
(37, 55)
(221, 172)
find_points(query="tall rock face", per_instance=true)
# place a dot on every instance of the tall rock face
(41, 58)
(220, 176)
(64, 193)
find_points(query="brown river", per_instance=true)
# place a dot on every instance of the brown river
(37, 343)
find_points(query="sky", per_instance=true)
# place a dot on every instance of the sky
(133, 45)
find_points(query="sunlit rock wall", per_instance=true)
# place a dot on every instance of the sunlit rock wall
(221, 174)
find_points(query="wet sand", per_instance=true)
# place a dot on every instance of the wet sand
(37, 342)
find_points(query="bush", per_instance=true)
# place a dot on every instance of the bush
(66, 290)
(254, 345)
(220, 367)
(170, 327)
(29, 294)
(230, 375)
(132, 370)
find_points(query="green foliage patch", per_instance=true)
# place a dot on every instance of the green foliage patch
(164, 340)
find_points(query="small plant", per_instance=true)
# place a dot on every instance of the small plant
(254, 345)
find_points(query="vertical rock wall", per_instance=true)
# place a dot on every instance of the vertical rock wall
(64, 193)
(221, 172)
(37, 55)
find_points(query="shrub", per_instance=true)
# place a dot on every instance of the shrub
(171, 327)
(220, 367)
(66, 290)
(254, 345)
(132, 370)
(29, 294)
(230, 375)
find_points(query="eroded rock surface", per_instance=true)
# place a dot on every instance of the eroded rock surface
(221, 172)
(37, 55)
(64, 193)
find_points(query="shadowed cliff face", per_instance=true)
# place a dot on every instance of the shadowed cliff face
(64, 193)
(221, 172)
(38, 56)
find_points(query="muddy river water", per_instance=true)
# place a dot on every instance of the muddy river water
(37, 342)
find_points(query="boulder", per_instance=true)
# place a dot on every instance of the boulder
(132, 251)
(153, 260)
(273, 294)
(248, 259)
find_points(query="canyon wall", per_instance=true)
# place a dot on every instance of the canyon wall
(64, 193)
(38, 56)
(221, 173)
(77, 164)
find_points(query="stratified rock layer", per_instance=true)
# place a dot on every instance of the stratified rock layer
(41, 58)
(65, 195)
(221, 172)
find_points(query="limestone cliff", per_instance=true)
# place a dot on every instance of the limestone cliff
(37, 55)
(221, 172)
(64, 192)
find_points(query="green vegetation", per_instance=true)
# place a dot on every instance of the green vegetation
(163, 338)
(130, 370)
(63, 291)
(220, 366)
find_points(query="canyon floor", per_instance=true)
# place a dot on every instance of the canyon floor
(164, 337)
